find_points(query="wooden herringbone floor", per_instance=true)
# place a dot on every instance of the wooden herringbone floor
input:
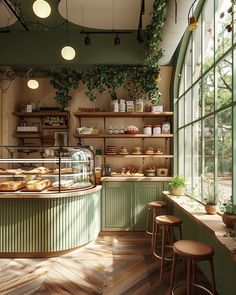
(113, 264)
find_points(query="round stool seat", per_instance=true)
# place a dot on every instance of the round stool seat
(157, 204)
(168, 220)
(193, 249)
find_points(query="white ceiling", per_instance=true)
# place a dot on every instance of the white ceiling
(6, 18)
(100, 14)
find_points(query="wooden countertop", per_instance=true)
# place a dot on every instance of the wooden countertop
(133, 178)
(213, 223)
(49, 195)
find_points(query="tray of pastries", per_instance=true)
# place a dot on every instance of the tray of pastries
(149, 151)
(66, 185)
(128, 171)
(123, 151)
(37, 185)
(62, 171)
(137, 151)
(11, 171)
(111, 150)
(12, 186)
(150, 171)
(38, 170)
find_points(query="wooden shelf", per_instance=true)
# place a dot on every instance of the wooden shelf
(40, 114)
(28, 135)
(54, 127)
(122, 114)
(122, 136)
(138, 156)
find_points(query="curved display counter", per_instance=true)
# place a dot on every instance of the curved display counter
(38, 225)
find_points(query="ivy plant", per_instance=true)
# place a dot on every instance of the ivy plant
(137, 80)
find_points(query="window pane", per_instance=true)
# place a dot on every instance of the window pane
(224, 153)
(197, 102)
(188, 107)
(197, 62)
(188, 154)
(188, 66)
(181, 83)
(181, 152)
(209, 154)
(224, 82)
(208, 92)
(181, 111)
(208, 35)
(223, 26)
(197, 161)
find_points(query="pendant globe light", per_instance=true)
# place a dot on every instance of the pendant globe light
(67, 52)
(31, 83)
(41, 8)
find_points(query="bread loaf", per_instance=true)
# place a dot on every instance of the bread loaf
(12, 185)
(38, 185)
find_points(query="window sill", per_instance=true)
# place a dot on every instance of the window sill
(213, 223)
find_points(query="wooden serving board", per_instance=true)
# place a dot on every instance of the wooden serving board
(10, 191)
(69, 188)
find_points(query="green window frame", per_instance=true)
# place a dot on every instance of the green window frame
(205, 103)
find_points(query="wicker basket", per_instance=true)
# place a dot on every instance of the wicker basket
(180, 191)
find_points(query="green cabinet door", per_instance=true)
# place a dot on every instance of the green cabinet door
(144, 192)
(116, 206)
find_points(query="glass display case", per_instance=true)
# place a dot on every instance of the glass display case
(46, 169)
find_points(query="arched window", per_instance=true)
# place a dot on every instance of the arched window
(205, 104)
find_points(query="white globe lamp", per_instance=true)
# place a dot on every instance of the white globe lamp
(68, 52)
(41, 8)
(33, 84)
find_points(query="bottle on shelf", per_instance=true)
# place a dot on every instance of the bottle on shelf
(110, 130)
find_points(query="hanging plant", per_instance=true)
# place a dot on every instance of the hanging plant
(137, 80)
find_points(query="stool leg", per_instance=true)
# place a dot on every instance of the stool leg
(189, 275)
(193, 274)
(180, 232)
(162, 252)
(153, 223)
(212, 276)
(147, 223)
(154, 238)
(172, 277)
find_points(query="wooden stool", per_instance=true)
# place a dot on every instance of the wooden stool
(165, 223)
(156, 207)
(194, 252)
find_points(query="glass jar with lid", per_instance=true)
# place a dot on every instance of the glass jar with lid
(156, 129)
(165, 128)
(147, 129)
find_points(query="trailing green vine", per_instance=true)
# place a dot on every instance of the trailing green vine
(137, 80)
(153, 37)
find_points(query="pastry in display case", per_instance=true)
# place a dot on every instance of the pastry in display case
(46, 169)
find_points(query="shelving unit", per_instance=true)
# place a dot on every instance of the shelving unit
(42, 127)
(130, 117)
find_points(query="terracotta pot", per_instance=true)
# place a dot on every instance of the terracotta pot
(229, 219)
(180, 191)
(211, 209)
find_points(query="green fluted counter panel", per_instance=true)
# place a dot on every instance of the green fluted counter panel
(45, 225)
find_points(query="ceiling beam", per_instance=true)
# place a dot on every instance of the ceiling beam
(12, 9)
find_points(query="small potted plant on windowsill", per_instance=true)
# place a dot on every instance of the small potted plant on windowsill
(177, 186)
(211, 196)
(229, 215)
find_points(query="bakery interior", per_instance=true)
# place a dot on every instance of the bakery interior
(102, 105)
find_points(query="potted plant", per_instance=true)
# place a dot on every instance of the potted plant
(211, 197)
(177, 186)
(229, 215)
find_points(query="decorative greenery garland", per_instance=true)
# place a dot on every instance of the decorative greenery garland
(138, 80)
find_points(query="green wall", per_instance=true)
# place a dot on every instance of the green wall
(43, 48)
(225, 266)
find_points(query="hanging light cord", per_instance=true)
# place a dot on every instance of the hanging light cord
(67, 26)
(176, 11)
(191, 8)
